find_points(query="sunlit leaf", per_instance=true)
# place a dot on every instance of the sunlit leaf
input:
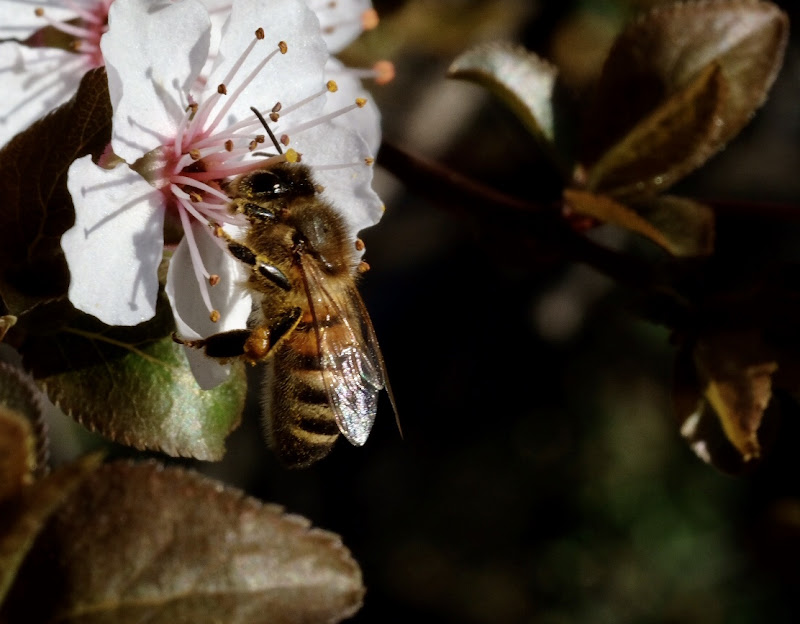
(36, 208)
(142, 543)
(146, 396)
(133, 384)
(22, 518)
(667, 143)
(660, 54)
(687, 224)
(519, 78)
(607, 210)
(22, 399)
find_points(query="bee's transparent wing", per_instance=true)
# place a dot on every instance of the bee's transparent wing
(350, 359)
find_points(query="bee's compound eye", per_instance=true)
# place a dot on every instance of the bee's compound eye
(266, 185)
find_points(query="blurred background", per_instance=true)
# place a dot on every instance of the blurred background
(541, 476)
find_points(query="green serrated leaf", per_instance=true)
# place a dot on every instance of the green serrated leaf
(144, 395)
(36, 208)
(521, 79)
(143, 543)
(666, 49)
(23, 518)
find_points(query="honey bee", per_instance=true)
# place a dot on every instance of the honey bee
(324, 367)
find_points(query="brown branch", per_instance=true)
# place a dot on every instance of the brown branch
(523, 220)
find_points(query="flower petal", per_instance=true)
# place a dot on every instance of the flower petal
(35, 81)
(340, 21)
(287, 78)
(229, 297)
(18, 19)
(348, 188)
(153, 54)
(367, 120)
(116, 244)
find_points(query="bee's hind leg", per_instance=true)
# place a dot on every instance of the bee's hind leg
(253, 345)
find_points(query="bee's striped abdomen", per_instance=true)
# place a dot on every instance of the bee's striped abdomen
(301, 424)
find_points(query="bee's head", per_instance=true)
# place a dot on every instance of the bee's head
(280, 183)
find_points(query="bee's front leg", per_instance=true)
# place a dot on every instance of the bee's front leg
(259, 264)
(253, 345)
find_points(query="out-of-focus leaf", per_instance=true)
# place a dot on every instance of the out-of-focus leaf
(19, 394)
(143, 543)
(724, 400)
(667, 143)
(607, 210)
(686, 223)
(580, 43)
(17, 453)
(7, 321)
(36, 208)
(22, 518)
(519, 78)
(666, 49)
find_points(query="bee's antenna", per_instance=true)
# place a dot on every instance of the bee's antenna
(266, 127)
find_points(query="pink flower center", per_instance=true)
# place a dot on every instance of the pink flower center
(89, 25)
(205, 154)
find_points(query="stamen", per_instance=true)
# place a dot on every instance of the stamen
(205, 108)
(196, 183)
(213, 279)
(187, 206)
(359, 103)
(224, 110)
(197, 262)
(69, 29)
(369, 19)
(384, 72)
(334, 166)
(305, 101)
(214, 316)
(224, 172)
